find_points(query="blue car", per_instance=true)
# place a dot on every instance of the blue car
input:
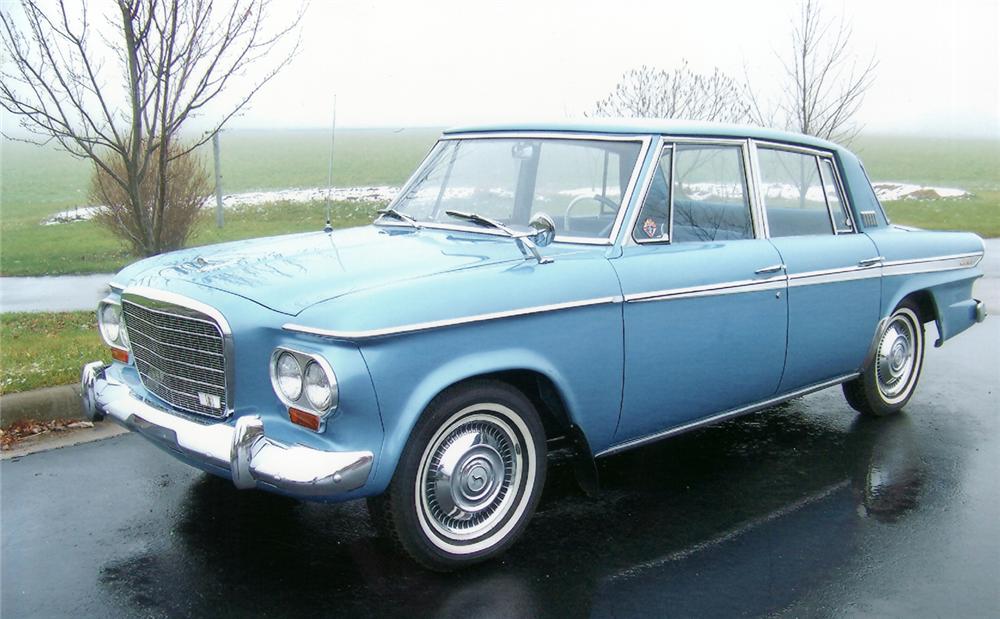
(533, 286)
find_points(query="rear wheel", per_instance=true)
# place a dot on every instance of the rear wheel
(469, 477)
(888, 382)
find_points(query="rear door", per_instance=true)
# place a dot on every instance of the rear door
(833, 271)
(704, 311)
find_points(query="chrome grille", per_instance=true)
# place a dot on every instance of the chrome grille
(180, 355)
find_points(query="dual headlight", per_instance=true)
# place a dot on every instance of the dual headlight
(112, 327)
(304, 381)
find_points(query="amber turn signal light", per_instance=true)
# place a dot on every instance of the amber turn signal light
(119, 355)
(304, 419)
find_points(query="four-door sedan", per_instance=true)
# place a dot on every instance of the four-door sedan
(599, 286)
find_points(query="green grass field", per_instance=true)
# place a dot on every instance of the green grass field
(41, 350)
(36, 182)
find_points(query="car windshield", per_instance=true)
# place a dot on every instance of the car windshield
(579, 183)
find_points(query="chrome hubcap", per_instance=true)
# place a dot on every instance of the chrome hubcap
(896, 357)
(468, 475)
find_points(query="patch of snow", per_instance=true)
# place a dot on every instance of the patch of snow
(885, 190)
(888, 191)
(378, 193)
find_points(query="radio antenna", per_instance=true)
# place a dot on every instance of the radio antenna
(329, 183)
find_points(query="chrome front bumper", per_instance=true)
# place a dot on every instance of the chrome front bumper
(251, 458)
(980, 311)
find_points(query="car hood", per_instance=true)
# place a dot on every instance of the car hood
(291, 273)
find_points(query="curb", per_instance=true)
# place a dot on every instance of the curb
(57, 440)
(44, 404)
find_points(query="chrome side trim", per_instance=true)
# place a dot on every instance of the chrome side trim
(734, 287)
(449, 322)
(931, 265)
(736, 412)
(829, 276)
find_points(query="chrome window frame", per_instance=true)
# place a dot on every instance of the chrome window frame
(840, 195)
(668, 141)
(644, 141)
(817, 155)
(176, 301)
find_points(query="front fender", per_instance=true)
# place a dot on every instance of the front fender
(580, 351)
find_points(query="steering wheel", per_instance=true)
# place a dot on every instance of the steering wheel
(602, 200)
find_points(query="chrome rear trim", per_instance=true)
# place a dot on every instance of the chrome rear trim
(932, 265)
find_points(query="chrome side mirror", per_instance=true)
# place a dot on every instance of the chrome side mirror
(545, 229)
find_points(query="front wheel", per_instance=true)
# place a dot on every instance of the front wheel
(888, 382)
(468, 479)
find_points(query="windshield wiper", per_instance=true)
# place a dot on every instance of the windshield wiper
(523, 239)
(403, 217)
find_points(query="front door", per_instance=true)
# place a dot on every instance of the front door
(704, 312)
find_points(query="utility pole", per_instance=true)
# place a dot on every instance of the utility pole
(219, 219)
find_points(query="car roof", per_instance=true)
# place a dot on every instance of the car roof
(686, 128)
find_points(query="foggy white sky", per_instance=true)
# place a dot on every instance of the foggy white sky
(409, 63)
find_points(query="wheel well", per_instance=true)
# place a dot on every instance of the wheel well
(926, 310)
(543, 394)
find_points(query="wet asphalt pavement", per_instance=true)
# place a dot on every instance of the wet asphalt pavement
(801, 510)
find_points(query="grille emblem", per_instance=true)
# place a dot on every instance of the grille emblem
(209, 400)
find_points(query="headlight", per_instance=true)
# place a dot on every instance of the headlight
(288, 374)
(306, 384)
(109, 319)
(320, 393)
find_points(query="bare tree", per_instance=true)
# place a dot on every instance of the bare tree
(172, 58)
(825, 81)
(654, 93)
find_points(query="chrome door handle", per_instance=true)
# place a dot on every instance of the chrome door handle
(774, 268)
(867, 262)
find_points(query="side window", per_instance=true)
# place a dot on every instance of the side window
(710, 194)
(793, 193)
(581, 182)
(841, 220)
(653, 223)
